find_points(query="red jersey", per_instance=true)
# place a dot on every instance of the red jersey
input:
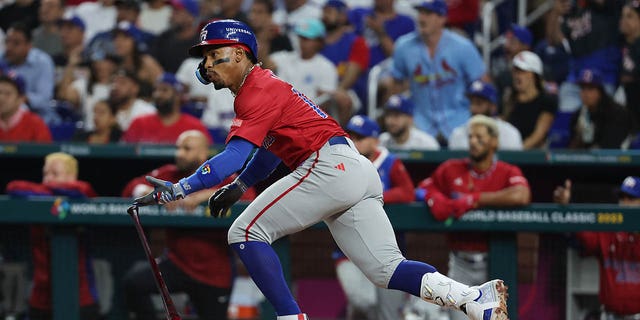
(619, 259)
(202, 254)
(272, 114)
(25, 126)
(150, 129)
(456, 177)
(40, 246)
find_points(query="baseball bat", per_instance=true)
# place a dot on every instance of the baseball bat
(169, 307)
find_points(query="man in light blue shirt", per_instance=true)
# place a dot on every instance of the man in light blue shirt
(35, 67)
(438, 65)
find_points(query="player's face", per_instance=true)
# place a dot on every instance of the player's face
(397, 123)
(481, 144)
(54, 171)
(480, 106)
(191, 151)
(10, 99)
(429, 23)
(222, 66)
(629, 21)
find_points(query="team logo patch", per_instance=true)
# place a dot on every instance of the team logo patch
(236, 122)
(206, 169)
(268, 141)
(60, 208)
(203, 35)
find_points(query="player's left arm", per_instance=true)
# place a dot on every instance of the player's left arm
(517, 192)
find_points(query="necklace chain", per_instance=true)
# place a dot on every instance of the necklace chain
(245, 77)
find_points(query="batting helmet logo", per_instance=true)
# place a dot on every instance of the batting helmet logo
(226, 32)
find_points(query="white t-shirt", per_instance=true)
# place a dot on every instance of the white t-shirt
(139, 107)
(418, 140)
(96, 17)
(307, 76)
(88, 100)
(154, 20)
(509, 139)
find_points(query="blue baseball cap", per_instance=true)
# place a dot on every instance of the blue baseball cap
(170, 79)
(311, 29)
(484, 90)
(129, 29)
(364, 126)
(15, 79)
(190, 5)
(522, 34)
(631, 186)
(436, 6)
(398, 103)
(590, 77)
(338, 4)
(73, 20)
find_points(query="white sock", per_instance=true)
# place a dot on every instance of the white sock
(302, 316)
(444, 291)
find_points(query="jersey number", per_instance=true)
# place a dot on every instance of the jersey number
(309, 103)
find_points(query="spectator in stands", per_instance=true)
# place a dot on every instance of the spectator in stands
(127, 40)
(23, 11)
(527, 106)
(308, 71)
(35, 67)
(229, 9)
(59, 177)
(17, 123)
(617, 254)
(381, 26)
(463, 15)
(197, 262)
(516, 40)
(270, 36)
(484, 101)
(630, 77)
(349, 53)
(460, 185)
(171, 47)
(592, 34)
(552, 49)
(47, 37)
(99, 16)
(155, 16)
(600, 123)
(125, 88)
(400, 133)
(105, 126)
(168, 123)
(438, 76)
(365, 300)
(72, 35)
(294, 13)
(83, 92)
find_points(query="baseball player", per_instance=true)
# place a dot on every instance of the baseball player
(330, 181)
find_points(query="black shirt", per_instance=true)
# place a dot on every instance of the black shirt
(524, 115)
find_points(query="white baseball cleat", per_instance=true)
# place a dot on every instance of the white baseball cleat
(491, 304)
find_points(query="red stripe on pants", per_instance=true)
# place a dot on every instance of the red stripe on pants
(315, 161)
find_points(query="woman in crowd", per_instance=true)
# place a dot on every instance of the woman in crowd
(105, 125)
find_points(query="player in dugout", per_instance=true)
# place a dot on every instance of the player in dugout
(285, 126)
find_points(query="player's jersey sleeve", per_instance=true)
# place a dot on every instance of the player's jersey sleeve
(516, 178)
(256, 114)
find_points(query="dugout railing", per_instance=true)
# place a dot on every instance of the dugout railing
(64, 216)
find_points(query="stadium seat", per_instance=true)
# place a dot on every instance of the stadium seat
(560, 132)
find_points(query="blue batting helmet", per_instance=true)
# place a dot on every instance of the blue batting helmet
(225, 33)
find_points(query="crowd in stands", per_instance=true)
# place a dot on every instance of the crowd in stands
(109, 56)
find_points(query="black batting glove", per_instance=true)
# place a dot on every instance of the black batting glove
(222, 200)
(201, 73)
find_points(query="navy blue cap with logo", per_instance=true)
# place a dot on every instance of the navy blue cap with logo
(363, 126)
(631, 187)
(398, 103)
(483, 90)
(436, 6)
(226, 32)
